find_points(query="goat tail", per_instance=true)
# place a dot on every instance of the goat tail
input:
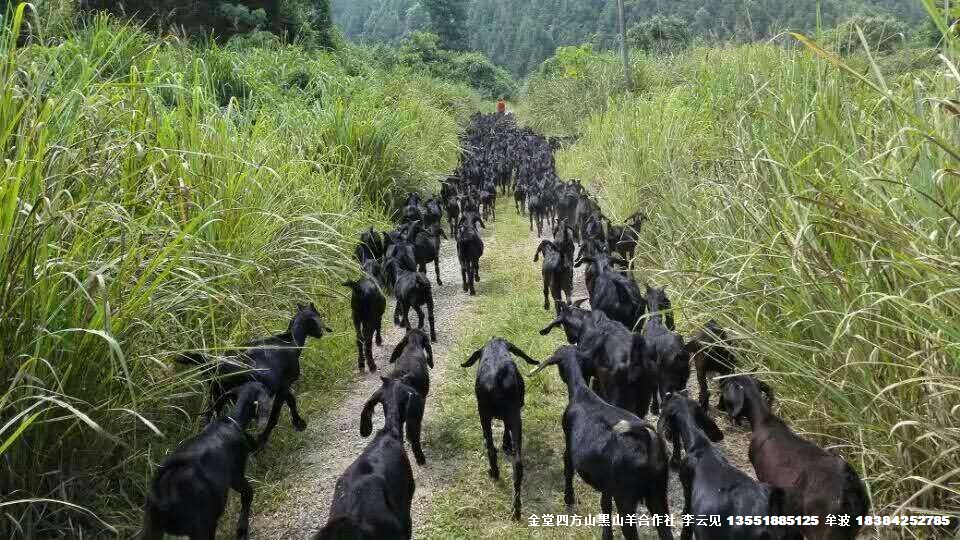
(191, 358)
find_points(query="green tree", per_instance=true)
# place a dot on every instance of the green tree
(448, 19)
(323, 23)
(660, 34)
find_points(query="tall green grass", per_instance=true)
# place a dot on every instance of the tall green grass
(811, 206)
(159, 197)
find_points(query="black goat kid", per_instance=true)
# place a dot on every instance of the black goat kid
(500, 393)
(469, 251)
(411, 358)
(274, 362)
(611, 449)
(372, 497)
(411, 290)
(711, 485)
(189, 490)
(367, 305)
(673, 358)
(557, 272)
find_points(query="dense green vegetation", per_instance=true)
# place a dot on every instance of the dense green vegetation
(158, 197)
(807, 200)
(520, 35)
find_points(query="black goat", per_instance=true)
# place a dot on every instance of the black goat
(625, 373)
(453, 214)
(189, 490)
(372, 497)
(411, 358)
(819, 482)
(612, 450)
(274, 362)
(411, 290)
(672, 356)
(370, 246)
(433, 213)
(537, 209)
(367, 304)
(711, 485)
(469, 251)
(610, 291)
(488, 203)
(564, 236)
(500, 392)
(426, 247)
(557, 272)
(732, 397)
(711, 354)
(520, 198)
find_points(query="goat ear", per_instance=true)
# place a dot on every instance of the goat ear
(398, 349)
(733, 397)
(553, 324)
(553, 360)
(366, 415)
(313, 308)
(709, 426)
(473, 358)
(517, 351)
(217, 405)
(429, 349)
(300, 307)
(768, 390)
(413, 412)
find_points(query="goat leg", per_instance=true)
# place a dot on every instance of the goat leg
(704, 390)
(414, 422)
(272, 423)
(419, 312)
(368, 344)
(396, 313)
(436, 268)
(657, 504)
(299, 423)
(463, 275)
(494, 471)
(546, 287)
(606, 507)
(568, 497)
(507, 446)
(627, 506)
(515, 427)
(430, 319)
(358, 327)
(378, 330)
(242, 486)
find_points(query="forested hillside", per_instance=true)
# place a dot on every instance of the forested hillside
(520, 35)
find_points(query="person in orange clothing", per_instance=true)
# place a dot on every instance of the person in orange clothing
(501, 106)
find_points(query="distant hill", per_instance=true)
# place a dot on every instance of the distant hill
(519, 34)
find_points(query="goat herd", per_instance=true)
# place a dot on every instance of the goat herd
(614, 376)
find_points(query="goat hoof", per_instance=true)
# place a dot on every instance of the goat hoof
(507, 450)
(494, 473)
(516, 515)
(242, 534)
(299, 424)
(372, 367)
(420, 458)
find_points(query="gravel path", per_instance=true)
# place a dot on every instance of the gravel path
(335, 440)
